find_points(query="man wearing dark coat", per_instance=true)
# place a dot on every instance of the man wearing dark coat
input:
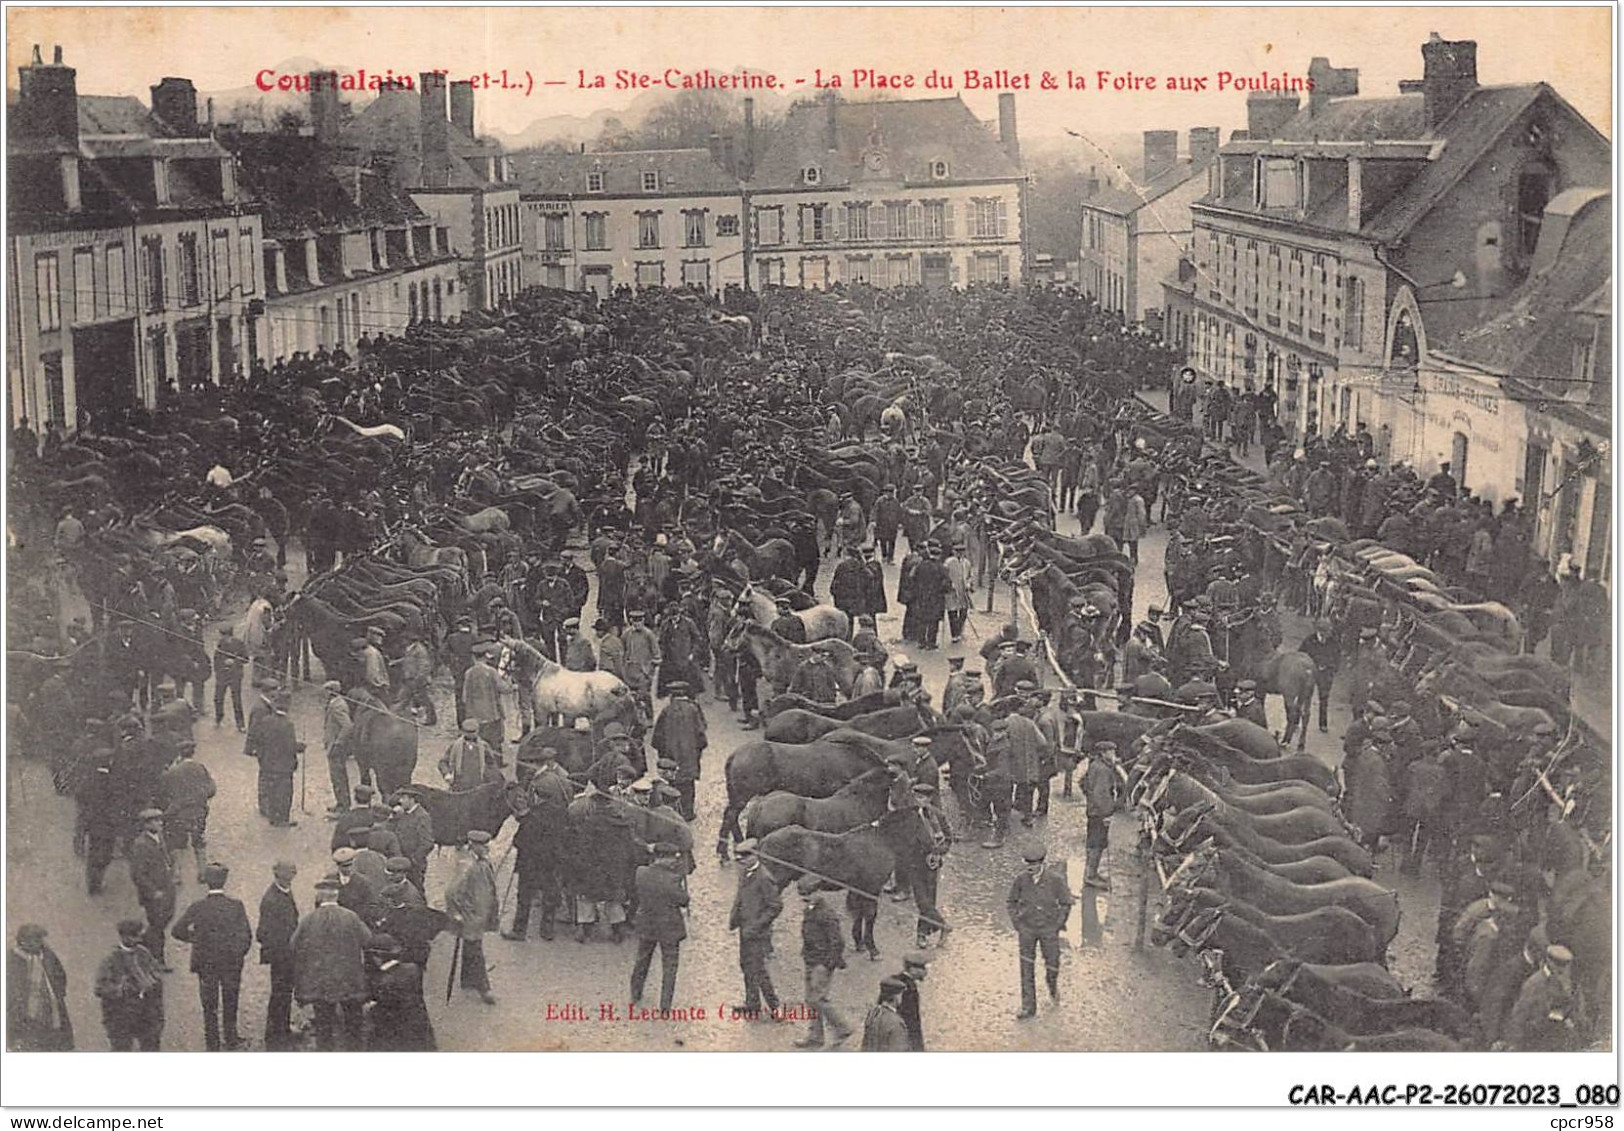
(329, 963)
(679, 734)
(154, 881)
(755, 906)
(397, 1016)
(216, 927)
(849, 586)
(36, 995)
(662, 897)
(414, 830)
(271, 739)
(1039, 902)
(278, 919)
(539, 843)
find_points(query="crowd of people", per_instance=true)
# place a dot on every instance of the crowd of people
(675, 424)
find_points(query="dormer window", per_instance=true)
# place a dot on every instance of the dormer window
(651, 181)
(594, 181)
(938, 170)
(811, 175)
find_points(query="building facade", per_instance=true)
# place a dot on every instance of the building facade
(638, 218)
(463, 183)
(133, 263)
(1134, 235)
(1337, 237)
(889, 194)
(346, 253)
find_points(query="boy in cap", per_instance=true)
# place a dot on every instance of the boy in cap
(1039, 903)
(913, 972)
(216, 928)
(823, 949)
(130, 985)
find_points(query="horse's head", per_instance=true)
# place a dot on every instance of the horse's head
(1198, 927)
(1233, 1027)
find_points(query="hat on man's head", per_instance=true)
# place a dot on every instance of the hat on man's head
(332, 685)
(344, 855)
(892, 986)
(677, 687)
(150, 815)
(214, 876)
(469, 726)
(614, 730)
(478, 836)
(806, 885)
(1034, 853)
(397, 865)
(131, 928)
(1559, 954)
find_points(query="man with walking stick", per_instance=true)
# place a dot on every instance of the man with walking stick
(471, 901)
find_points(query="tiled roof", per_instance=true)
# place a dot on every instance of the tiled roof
(1469, 132)
(391, 123)
(1515, 336)
(1400, 118)
(1125, 200)
(102, 114)
(913, 135)
(301, 191)
(682, 171)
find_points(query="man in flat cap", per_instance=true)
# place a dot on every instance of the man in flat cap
(414, 831)
(272, 740)
(36, 995)
(330, 969)
(680, 735)
(883, 1028)
(336, 725)
(154, 880)
(1548, 1015)
(216, 928)
(482, 696)
(660, 921)
(1039, 903)
(756, 905)
(1102, 793)
(472, 902)
(278, 919)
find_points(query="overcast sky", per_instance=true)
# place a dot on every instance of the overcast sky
(124, 51)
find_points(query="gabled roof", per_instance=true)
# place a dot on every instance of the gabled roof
(1469, 132)
(1400, 118)
(1127, 199)
(115, 114)
(913, 135)
(295, 179)
(392, 123)
(1520, 334)
(681, 172)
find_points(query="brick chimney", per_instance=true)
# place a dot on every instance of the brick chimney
(747, 160)
(174, 103)
(831, 121)
(1203, 146)
(1007, 135)
(714, 144)
(47, 99)
(324, 106)
(462, 106)
(434, 130)
(1329, 82)
(1161, 152)
(1449, 76)
(1091, 185)
(1267, 113)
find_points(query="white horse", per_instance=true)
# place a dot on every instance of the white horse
(555, 690)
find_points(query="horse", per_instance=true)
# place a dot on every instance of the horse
(820, 622)
(779, 659)
(856, 803)
(555, 691)
(773, 558)
(1289, 675)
